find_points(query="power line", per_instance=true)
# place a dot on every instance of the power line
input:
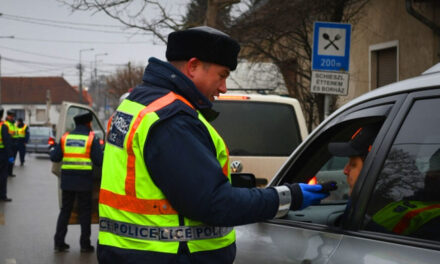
(38, 71)
(79, 41)
(57, 21)
(68, 27)
(37, 54)
(33, 62)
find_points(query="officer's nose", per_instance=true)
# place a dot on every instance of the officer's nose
(346, 169)
(222, 88)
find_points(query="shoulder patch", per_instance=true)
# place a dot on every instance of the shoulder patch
(119, 129)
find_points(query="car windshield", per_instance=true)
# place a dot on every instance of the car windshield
(39, 131)
(257, 128)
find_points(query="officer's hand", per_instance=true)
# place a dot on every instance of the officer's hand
(304, 195)
(311, 194)
(11, 159)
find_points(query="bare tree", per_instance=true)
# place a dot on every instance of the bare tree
(276, 31)
(158, 17)
(123, 80)
(280, 31)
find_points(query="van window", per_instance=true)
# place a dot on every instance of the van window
(257, 128)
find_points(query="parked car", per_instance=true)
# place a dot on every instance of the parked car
(40, 139)
(261, 131)
(400, 173)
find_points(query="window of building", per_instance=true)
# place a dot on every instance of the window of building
(383, 64)
(40, 115)
(19, 113)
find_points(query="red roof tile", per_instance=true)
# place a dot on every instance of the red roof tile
(32, 90)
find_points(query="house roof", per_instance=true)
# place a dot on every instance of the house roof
(33, 90)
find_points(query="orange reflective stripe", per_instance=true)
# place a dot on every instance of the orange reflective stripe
(406, 219)
(75, 155)
(130, 180)
(225, 167)
(356, 133)
(135, 205)
(89, 143)
(63, 139)
(109, 123)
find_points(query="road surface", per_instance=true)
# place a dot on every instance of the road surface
(27, 224)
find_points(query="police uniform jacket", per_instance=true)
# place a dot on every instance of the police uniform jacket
(27, 135)
(7, 151)
(78, 180)
(181, 159)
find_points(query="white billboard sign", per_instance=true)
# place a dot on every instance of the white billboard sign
(327, 82)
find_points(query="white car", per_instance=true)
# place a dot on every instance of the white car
(261, 131)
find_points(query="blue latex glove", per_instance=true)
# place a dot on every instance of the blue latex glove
(11, 159)
(311, 194)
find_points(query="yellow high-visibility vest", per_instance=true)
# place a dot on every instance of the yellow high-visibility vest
(134, 213)
(76, 151)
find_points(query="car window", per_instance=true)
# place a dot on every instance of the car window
(257, 128)
(314, 164)
(39, 131)
(406, 197)
(317, 165)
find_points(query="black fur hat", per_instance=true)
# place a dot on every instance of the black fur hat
(83, 118)
(204, 43)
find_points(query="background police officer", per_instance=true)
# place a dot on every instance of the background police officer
(12, 129)
(77, 151)
(22, 139)
(5, 158)
(166, 175)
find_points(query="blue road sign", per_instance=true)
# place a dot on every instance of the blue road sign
(331, 46)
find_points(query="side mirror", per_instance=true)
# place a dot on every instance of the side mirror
(243, 180)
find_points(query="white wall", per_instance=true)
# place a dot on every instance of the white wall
(32, 109)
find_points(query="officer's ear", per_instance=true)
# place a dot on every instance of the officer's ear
(192, 68)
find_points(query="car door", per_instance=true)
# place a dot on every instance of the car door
(66, 124)
(396, 216)
(313, 235)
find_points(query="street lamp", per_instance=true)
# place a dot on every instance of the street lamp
(97, 84)
(80, 72)
(96, 62)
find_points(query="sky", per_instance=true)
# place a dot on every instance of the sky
(45, 42)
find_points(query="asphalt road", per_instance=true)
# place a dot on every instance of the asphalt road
(27, 224)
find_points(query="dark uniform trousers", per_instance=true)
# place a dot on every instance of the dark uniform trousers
(84, 199)
(14, 153)
(3, 178)
(21, 149)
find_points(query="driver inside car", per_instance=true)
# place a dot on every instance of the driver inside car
(357, 149)
(417, 216)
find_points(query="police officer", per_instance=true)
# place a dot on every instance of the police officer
(165, 192)
(77, 151)
(5, 158)
(22, 139)
(12, 129)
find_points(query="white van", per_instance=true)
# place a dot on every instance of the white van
(261, 131)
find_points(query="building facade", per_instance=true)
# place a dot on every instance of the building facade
(37, 100)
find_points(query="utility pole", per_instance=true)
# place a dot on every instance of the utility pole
(80, 74)
(11, 37)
